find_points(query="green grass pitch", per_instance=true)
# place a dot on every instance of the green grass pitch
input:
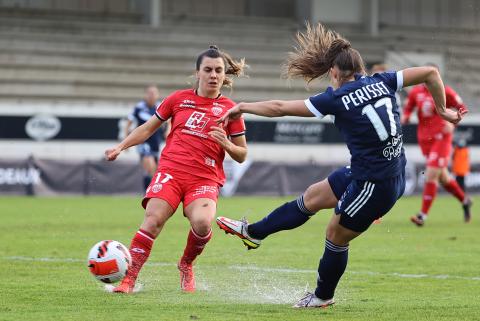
(396, 271)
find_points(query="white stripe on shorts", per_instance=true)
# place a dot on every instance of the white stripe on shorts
(365, 200)
(359, 199)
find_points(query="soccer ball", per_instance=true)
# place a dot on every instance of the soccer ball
(109, 261)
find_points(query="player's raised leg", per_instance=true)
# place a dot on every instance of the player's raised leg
(321, 195)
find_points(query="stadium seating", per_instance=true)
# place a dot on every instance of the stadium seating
(101, 63)
(111, 63)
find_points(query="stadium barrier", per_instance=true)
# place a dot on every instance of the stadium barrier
(44, 177)
(44, 127)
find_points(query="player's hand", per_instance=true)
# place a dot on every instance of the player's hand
(232, 113)
(111, 154)
(220, 136)
(404, 120)
(453, 116)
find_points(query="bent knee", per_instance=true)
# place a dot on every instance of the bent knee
(201, 226)
(155, 218)
(318, 197)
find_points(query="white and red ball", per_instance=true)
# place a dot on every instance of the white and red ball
(109, 261)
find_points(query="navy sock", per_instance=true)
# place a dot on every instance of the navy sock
(330, 269)
(146, 181)
(286, 217)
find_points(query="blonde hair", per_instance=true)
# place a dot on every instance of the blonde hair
(317, 50)
(232, 67)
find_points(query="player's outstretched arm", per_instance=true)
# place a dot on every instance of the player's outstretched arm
(270, 108)
(431, 77)
(137, 136)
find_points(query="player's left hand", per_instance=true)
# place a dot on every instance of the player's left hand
(219, 135)
(232, 113)
(454, 116)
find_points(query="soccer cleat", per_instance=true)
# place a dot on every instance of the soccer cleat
(310, 300)
(238, 228)
(126, 286)
(417, 220)
(187, 277)
(467, 216)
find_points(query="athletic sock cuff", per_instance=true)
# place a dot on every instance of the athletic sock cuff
(200, 237)
(146, 234)
(302, 207)
(335, 248)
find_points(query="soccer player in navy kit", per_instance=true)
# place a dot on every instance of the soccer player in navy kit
(150, 149)
(366, 113)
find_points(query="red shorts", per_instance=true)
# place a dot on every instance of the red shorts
(174, 186)
(437, 150)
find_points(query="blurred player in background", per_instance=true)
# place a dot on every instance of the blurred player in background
(460, 161)
(367, 115)
(191, 165)
(434, 136)
(150, 149)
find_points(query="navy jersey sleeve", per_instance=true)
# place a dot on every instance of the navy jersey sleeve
(319, 105)
(393, 79)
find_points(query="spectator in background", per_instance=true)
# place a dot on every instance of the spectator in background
(148, 150)
(434, 136)
(190, 169)
(460, 161)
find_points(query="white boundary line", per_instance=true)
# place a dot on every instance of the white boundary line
(261, 269)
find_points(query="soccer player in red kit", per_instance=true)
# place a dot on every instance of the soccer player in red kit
(190, 169)
(435, 139)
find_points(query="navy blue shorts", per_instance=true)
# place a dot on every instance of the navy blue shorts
(362, 202)
(146, 150)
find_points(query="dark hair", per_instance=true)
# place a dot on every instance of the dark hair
(317, 50)
(232, 67)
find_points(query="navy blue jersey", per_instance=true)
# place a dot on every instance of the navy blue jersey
(142, 113)
(366, 113)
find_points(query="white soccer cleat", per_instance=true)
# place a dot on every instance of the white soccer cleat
(310, 300)
(238, 228)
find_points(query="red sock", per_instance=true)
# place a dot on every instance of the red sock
(453, 188)
(140, 248)
(195, 245)
(429, 193)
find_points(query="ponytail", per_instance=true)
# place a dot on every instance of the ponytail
(317, 50)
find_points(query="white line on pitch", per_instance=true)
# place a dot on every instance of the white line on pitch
(260, 269)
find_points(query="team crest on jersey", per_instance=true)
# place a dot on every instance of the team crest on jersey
(157, 188)
(217, 110)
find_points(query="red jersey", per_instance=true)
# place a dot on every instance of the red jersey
(429, 122)
(188, 147)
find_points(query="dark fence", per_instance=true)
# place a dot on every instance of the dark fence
(53, 128)
(45, 177)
